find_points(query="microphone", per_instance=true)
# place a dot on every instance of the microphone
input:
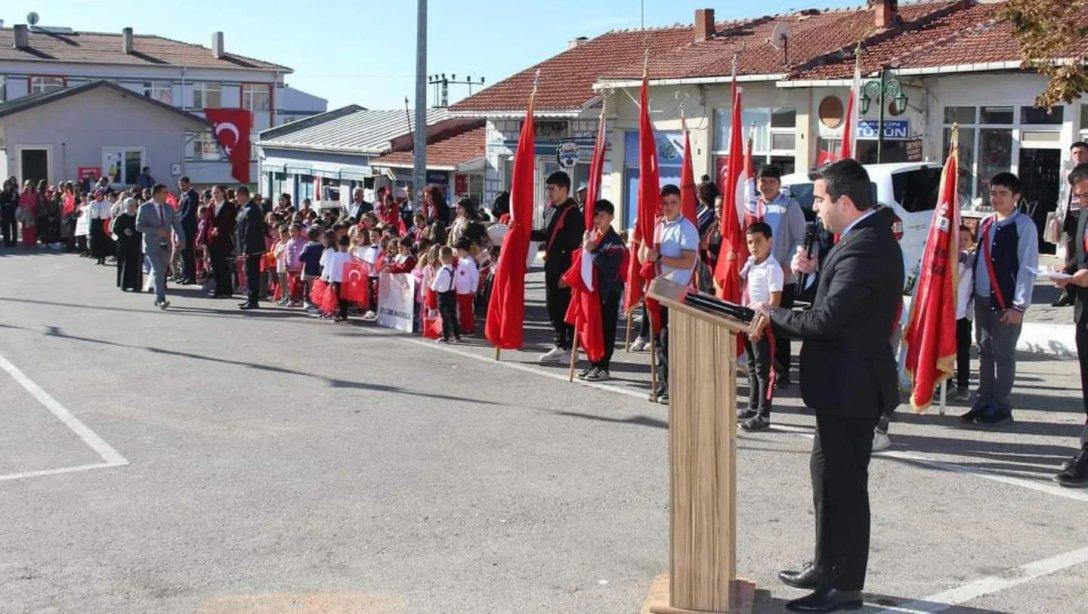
(806, 244)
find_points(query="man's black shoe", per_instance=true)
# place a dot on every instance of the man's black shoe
(827, 600)
(809, 577)
(747, 414)
(1065, 300)
(759, 423)
(991, 419)
(972, 415)
(248, 306)
(1074, 472)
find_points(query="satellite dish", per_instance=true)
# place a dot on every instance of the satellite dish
(781, 35)
(32, 18)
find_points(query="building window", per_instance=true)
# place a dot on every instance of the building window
(1053, 116)
(775, 138)
(162, 91)
(202, 146)
(40, 85)
(3, 89)
(122, 164)
(207, 95)
(256, 96)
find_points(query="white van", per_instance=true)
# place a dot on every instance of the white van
(909, 188)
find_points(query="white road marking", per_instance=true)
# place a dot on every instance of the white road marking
(994, 584)
(111, 456)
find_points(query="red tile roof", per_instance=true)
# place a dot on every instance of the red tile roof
(443, 151)
(105, 48)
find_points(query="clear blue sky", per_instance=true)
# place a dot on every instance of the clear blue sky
(363, 51)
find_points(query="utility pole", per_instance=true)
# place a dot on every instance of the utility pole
(442, 85)
(419, 137)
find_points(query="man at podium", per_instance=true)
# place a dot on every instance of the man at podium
(848, 377)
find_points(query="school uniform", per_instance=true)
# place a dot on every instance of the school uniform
(467, 282)
(445, 286)
(334, 274)
(762, 279)
(608, 258)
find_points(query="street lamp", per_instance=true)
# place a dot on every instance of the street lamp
(881, 91)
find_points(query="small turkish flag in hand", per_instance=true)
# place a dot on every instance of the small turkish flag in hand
(231, 128)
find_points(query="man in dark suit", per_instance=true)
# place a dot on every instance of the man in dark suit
(848, 377)
(565, 227)
(188, 202)
(252, 231)
(221, 241)
(1074, 473)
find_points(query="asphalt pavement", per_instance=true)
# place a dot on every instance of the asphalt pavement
(211, 460)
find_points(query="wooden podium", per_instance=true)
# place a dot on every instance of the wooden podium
(702, 456)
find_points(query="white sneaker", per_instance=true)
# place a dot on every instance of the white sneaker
(881, 441)
(639, 345)
(555, 355)
(370, 316)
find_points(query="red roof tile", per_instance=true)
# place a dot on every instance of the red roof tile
(443, 150)
(105, 48)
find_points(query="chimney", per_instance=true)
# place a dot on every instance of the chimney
(886, 12)
(217, 44)
(704, 24)
(22, 36)
(576, 42)
(126, 40)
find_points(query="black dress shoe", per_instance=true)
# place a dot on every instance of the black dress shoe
(970, 416)
(248, 306)
(809, 577)
(1074, 472)
(827, 600)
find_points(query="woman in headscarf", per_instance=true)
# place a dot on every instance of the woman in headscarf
(130, 262)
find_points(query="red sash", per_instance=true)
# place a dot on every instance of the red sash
(987, 224)
(558, 227)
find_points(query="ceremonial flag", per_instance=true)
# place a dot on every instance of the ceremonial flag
(649, 196)
(584, 311)
(356, 284)
(593, 191)
(231, 128)
(734, 249)
(689, 199)
(849, 131)
(930, 337)
(506, 307)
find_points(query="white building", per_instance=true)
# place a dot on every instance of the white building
(189, 77)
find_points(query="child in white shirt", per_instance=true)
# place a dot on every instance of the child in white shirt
(446, 289)
(334, 273)
(763, 284)
(467, 282)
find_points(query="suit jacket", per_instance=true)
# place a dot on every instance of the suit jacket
(224, 224)
(187, 206)
(251, 229)
(1080, 295)
(847, 365)
(151, 218)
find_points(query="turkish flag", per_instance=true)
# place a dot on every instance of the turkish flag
(649, 196)
(355, 286)
(231, 128)
(504, 327)
(734, 249)
(849, 131)
(596, 171)
(689, 199)
(930, 337)
(584, 311)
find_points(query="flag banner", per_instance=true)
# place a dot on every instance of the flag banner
(649, 196)
(355, 286)
(734, 249)
(396, 301)
(930, 336)
(504, 327)
(593, 192)
(231, 128)
(584, 311)
(849, 130)
(689, 198)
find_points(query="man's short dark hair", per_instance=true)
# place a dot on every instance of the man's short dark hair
(670, 189)
(1078, 144)
(241, 190)
(846, 178)
(158, 187)
(185, 178)
(760, 228)
(604, 206)
(558, 179)
(769, 171)
(1079, 174)
(1008, 180)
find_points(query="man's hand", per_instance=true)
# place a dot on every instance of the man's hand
(1012, 317)
(763, 315)
(802, 263)
(1080, 278)
(588, 243)
(651, 254)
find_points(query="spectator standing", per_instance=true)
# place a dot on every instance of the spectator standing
(188, 201)
(252, 231)
(565, 227)
(155, 219)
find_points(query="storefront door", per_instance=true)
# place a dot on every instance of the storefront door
(1040, 171)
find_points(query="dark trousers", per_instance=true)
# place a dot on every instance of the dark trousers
(8, 226)
(783, 356)
(610, 309)
(253, 277)
(343, 304)
(188, 256)
(221, 271)
(840, 498)
(759, 375)
(963, 352)
(1069, 232)
(447, 308)
(662, 350)
(1082, 356)
(557, 300)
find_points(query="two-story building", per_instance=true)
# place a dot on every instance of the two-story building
(188, 77)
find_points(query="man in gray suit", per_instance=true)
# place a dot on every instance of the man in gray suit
(155, 219)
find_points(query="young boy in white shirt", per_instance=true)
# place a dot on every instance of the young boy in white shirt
(446, 289)
(763, 284)
(467, 282)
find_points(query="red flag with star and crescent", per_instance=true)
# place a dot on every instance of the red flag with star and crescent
(649, 198)
(231, 128)
(734, 249)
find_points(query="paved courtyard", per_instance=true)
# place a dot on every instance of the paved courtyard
(208, 460)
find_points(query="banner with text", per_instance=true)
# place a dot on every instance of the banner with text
(396, 301)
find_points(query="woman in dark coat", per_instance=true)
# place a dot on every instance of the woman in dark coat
(129, 244)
